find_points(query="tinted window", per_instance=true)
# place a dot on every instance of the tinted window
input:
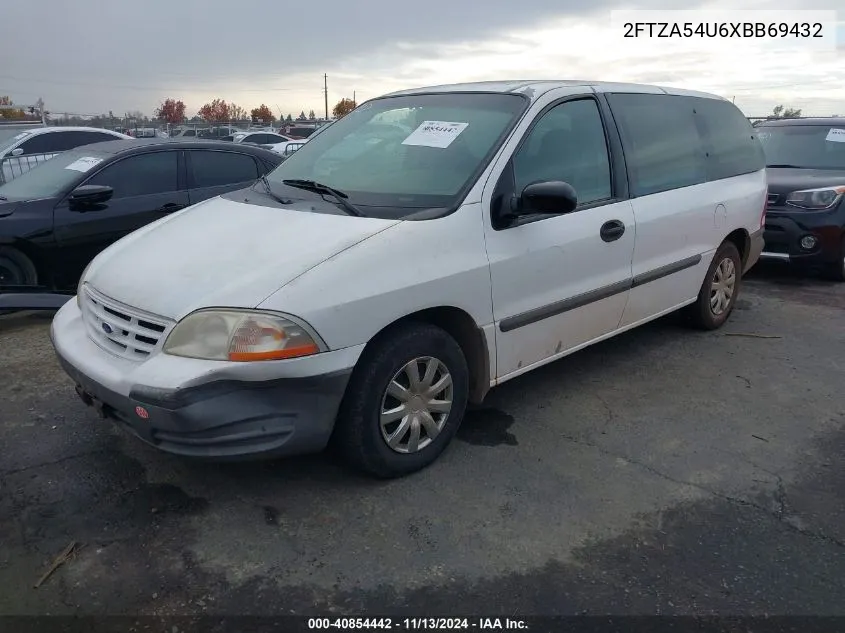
(97, 137)
(805, 146)
(568, 144)
(211, 169)
(140, 175)
(663, 148)
(189, 133)
(734, 148)
(47, 143)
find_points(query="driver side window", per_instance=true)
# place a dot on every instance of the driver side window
(568, 144)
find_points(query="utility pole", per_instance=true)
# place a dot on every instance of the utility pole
(326, 93)
(354, 101)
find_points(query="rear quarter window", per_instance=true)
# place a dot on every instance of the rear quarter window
(732, 144)
(662, 145)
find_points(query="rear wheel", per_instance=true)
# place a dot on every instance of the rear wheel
(835, 271)
(16, 269)
(404, 402)
(718, 293)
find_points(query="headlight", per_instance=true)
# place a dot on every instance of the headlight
(241, 335)
(79, 285)
(816, 199)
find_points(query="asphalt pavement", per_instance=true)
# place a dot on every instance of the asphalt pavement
(665, 471)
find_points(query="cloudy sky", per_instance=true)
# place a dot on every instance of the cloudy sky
(91, 56)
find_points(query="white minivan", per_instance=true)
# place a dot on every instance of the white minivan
(483, 231)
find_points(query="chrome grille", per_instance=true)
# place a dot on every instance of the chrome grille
(120, 329)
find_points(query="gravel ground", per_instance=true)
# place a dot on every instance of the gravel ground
(662, 472)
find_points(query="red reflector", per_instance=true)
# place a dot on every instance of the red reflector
(142, 413)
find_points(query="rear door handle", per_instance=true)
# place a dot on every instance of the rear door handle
(171, 207)
(612, 230)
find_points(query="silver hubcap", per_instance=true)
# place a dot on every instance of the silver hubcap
(722, 287)
(416, 405)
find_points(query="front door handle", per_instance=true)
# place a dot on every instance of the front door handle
(170, 207)
(612, 230)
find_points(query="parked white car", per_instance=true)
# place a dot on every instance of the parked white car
(367, 301)
(260, 138)
(286, 148)
(31, 147)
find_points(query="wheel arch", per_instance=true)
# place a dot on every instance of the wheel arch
(461, 327)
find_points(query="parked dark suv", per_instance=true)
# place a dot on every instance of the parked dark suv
(805, 216)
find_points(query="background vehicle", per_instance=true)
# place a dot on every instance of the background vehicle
(286, 148)
(260, 138)
(805, 214)
(32, 147)
(55, 218)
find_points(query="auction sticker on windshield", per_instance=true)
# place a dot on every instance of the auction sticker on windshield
(836, 135)
(84, 164)
(435, 134)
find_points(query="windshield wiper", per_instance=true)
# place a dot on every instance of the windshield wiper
(269, 190)
(785, 166)
(317, 187)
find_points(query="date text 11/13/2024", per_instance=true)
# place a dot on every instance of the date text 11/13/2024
(417, 624)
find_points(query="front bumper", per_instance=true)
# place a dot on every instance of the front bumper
(784, 232)
(290, 411)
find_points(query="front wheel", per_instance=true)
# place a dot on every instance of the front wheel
(404, 402)
(718, 293)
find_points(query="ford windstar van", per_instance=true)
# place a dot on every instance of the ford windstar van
(426, 247)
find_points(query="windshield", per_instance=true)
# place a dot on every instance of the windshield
(53, 177)
(397, 155)
(804, 146)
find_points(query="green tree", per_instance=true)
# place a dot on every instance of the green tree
(780, 112)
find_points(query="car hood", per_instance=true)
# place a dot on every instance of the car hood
(222, 253)
(782, 180)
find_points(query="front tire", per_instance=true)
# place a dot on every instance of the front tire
(404, 402)
(16, 269)
(718, 293)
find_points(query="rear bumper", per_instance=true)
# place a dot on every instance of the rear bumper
(756, 248)
(224, 418)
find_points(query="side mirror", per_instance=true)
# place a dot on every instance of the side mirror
(17, 151)
(552, 196)
(87, 197)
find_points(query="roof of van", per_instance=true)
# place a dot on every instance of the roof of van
(535, 88)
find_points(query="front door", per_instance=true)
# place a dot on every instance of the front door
(560, 281)
(146, 188)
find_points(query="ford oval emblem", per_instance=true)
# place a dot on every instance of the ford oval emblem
(107, 328)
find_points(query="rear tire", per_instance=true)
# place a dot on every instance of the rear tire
(390, 425)
(719, 290)
(836, 270)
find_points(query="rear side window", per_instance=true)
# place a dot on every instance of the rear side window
(212, 169)
(663, 148)
(733, 145)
